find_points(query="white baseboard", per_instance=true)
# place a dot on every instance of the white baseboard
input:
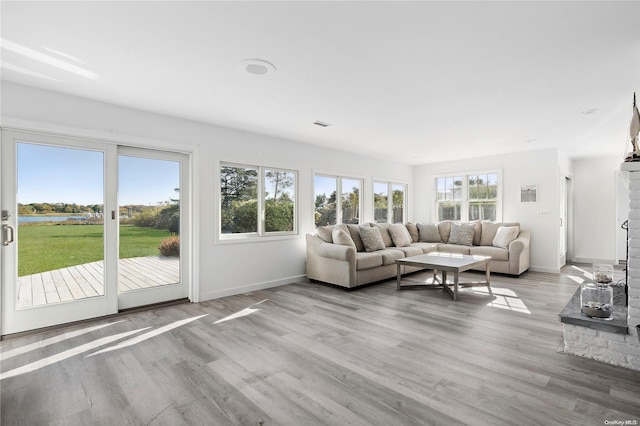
(591, 260)
(544, 269)
(249, 288)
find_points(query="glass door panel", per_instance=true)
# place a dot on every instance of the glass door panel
(60, 224)
(54, 251)
(149, 199)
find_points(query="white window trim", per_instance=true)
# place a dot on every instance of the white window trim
(390, 185)
(338, 179)
(464, 203)
(260, 234)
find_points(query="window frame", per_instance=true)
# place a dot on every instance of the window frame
(260, 233)
(339, 192)
(465, 201)
(390, 185)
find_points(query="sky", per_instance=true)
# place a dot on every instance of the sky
(48, 174)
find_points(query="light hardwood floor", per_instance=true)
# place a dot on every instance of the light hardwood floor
(307, 354)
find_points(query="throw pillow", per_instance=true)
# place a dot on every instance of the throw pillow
(505, 235)
(384, 233)
(400, 235)
(429, 233)
(462, 233)
(445, 229)
(477, 235)
(489, 230)
(413, 230)
(342, 238)
(324, 232)
(371, 238)
(354, 230)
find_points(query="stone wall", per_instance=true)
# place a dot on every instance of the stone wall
(618, 349)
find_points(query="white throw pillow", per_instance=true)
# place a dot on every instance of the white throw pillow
(505, 235)
(400, 235)
(371, 238)
(342, 238)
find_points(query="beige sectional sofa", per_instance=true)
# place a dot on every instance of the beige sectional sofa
(350, 256)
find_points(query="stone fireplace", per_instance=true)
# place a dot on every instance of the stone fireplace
(597, 340)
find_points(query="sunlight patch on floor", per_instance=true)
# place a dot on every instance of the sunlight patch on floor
(45, 362)
(147, 335)
(505, 299)
(52, 340)
(243, 313)
(90, 346)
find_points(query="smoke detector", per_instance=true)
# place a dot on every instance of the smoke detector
(256, 67)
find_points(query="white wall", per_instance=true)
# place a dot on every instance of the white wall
(595, 209)
(221, 268)
(531, 168)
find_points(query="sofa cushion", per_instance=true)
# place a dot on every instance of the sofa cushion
(505, 235)
(324, 232)
(384, 233)
(429, 233)
(368, 260)
(371, 238)
(445, 229)
(413, 230)
(390, 255)
(342, 238)
(477, 235)
(496, 253)
(400, 235)
(462, 233)
(426, 247)
(410, 251)
(489, 230)
(454, 248)
(354, 230)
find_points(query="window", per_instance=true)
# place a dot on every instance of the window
(331, 209)
(470, 196)
(389, 202)
(257, 201)
(449, 198)
(483, 196)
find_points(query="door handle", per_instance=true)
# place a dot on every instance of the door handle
(6, 231)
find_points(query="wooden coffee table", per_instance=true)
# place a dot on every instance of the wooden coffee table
(446, 262)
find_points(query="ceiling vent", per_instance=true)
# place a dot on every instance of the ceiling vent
(322, 124)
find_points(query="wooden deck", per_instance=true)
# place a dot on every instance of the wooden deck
(87, 280)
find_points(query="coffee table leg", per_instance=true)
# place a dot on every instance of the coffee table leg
(488, 274)
(455, 286)
(398, 278)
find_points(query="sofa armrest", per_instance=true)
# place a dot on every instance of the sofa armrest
(331, 263)
(519, 253)
(330, 250)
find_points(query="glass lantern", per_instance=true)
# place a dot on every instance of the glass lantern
(596, 298)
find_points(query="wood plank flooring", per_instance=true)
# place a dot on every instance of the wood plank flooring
(312, 354)
(87, 280)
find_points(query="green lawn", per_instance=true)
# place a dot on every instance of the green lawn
(48, 247)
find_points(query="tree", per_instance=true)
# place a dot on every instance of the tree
(281, 181)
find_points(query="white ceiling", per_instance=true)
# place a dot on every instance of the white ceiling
(415, 82)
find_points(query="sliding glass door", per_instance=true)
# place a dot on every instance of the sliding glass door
(88, 229)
